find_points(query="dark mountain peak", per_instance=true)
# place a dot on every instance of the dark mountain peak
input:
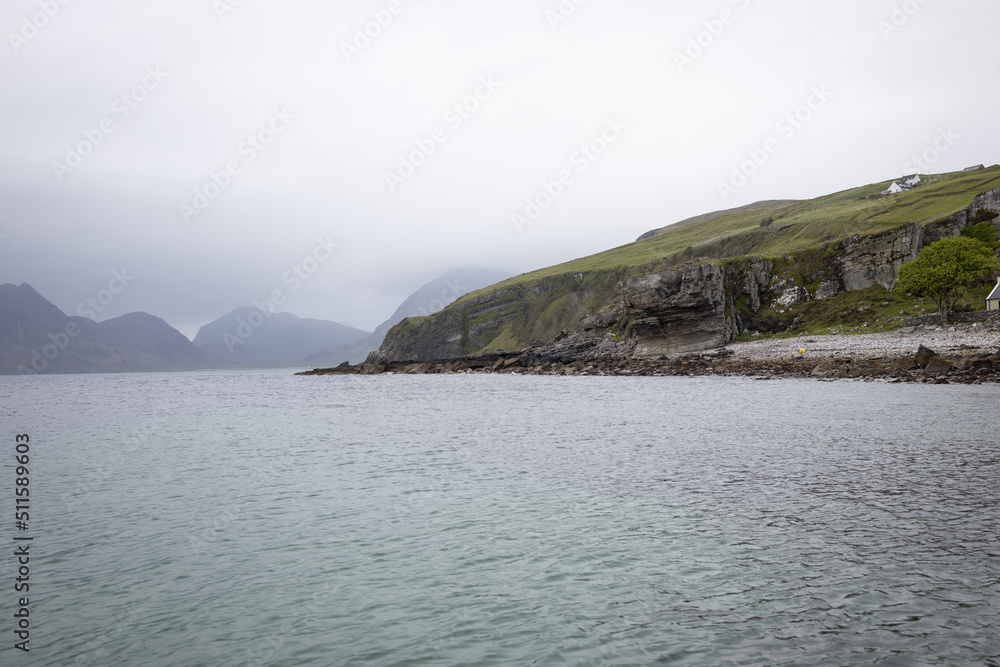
(138, 323)
(27, 317)
(140, 318)
(150, 335)
(24, 294)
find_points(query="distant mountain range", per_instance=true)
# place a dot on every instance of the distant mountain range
(37, 337)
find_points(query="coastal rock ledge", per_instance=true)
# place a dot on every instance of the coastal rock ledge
(965, 358)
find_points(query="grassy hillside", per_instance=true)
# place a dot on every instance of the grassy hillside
(540, 304)
(795, 226)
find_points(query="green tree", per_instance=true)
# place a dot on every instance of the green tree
(983, 231)
(946, 270)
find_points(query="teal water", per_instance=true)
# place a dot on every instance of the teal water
(257, 518)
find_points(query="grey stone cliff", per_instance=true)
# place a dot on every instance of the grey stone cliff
(693, 308)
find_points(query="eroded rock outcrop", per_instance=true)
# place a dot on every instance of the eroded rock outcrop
(693, 308)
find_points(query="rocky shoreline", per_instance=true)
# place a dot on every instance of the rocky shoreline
(940, 355)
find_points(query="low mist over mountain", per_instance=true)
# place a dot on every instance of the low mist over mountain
(251, 337)
(429, 299)
(36, 337)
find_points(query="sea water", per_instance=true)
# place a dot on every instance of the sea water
(259, 518)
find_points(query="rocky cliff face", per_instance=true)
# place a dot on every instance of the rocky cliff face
(514, 317)
(694, 308)
(874, 259)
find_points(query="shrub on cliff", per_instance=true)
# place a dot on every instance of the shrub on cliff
(984, 215)
(945, 271)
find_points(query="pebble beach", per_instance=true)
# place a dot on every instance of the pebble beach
(961, 339)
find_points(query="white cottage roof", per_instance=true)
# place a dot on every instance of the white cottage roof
(995, 294)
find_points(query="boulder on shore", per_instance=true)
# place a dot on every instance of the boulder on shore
(923, 356)
(828, 370)
(938, 365)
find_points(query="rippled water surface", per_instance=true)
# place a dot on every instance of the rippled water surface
(259, 518)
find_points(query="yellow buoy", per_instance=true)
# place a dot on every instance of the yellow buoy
(801, 351)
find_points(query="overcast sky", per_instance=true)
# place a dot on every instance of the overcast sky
(113, 114)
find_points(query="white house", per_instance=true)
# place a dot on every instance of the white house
(993, 300)
(903, 184)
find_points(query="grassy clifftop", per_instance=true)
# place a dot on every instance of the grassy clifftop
(795, 226)
(540, 304)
